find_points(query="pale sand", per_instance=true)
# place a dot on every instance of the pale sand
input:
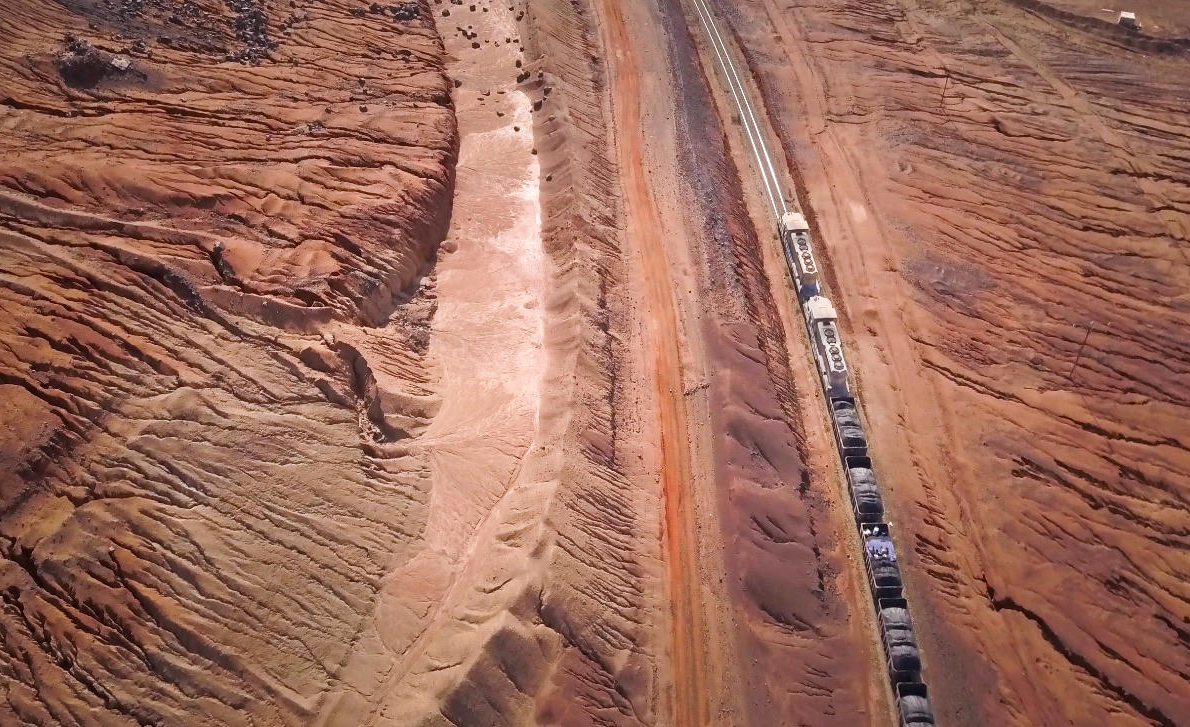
(485, 342)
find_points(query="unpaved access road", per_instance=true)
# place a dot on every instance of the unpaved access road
(645, 229)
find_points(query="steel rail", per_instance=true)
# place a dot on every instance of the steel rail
(747, 118)
(748, 104)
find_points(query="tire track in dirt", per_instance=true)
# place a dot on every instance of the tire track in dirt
(689, 706)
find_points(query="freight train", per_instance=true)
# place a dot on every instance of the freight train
(902, 657)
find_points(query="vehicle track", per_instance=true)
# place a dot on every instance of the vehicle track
(688, 673)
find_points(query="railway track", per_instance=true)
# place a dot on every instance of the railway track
(892, 615)
(764, 160)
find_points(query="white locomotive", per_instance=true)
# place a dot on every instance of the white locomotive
(828, 347)
(795, 240)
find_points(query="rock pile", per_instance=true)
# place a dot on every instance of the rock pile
(83, 66)
(251, 26)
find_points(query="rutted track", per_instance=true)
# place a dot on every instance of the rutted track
(689, 706)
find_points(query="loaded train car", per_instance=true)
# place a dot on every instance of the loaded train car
(880, 560)
(795, 240)
(865, 495)
(913, 705)
(900, 646)
(903, 658)
(848, 432)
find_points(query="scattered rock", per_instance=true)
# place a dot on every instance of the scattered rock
(406, 11)
(251, 28)
(81, 65)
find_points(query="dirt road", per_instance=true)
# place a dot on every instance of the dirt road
(686, 628)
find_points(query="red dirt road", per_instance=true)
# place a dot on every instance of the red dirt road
(686, 630)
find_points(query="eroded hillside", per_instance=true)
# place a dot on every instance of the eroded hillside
(214, 222)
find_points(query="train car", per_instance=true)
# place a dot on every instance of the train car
(828, 347)
(880, 560)
(865, 495)
(795, 240)
(848, 432)
(913, 705)
(900, 645)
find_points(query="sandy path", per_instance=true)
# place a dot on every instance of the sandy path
(486, 335)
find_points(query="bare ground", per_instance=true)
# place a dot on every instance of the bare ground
(1003, 196)
(431, 363)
